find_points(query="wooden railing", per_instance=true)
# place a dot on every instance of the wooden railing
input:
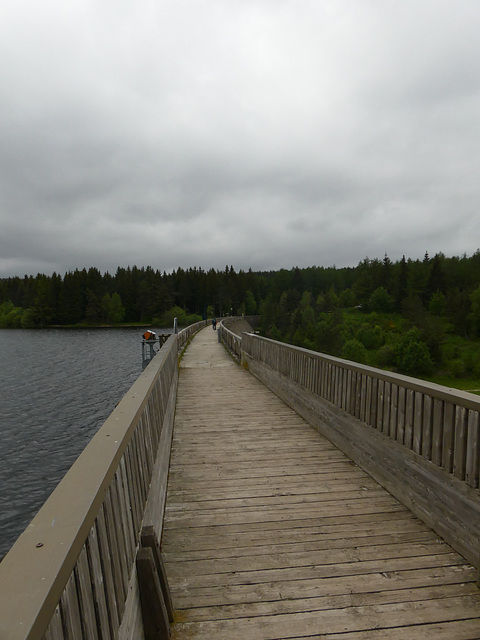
(420, 440)
(71, 574)
(231, 340)
(185, 334)
(438, 423)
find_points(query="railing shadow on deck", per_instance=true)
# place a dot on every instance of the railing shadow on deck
(421, 441)
(71, 574)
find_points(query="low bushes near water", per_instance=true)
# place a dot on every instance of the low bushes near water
(183, 319)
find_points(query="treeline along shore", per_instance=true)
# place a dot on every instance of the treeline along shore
(362, 313)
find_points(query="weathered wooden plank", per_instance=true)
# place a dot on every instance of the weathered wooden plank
(146, 446)
(387, 390)
(437, 432)
(427, 420)
(120, 534)
(380, 404)
(368, 401)
(231, 471)
(409, 416)
(154, 614)
(133, 490)
(338, 385)
(139, 471)
(149, 539)
(353, 393)
(315, 572)
(328, 380)
(125, 513)
(363, 398)
(225, 548)
(358, 400)
(318, 377)
(131, 627)
(69, 606)
(357, 598)
(273, 562)
(99, 585)
(107, 572)
(220, 595)
(341, 396)
(473, 449)
(393, 411)
(348, 395)
(418, 422)
(304, 624)
(55, 628)
(451, 630)
(460, 451)
(114, 552)
(86, 596)
(401, 415)
(374, 403)
(183, 501)
(272, 514)
(448, 436)
(284, 532)
(117, 545)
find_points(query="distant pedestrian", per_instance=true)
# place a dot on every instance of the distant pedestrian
(214, 324)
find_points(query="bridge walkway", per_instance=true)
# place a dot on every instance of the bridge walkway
(271, 532)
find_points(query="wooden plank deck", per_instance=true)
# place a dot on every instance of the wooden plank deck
(271, 532)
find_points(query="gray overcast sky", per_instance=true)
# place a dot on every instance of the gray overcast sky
(258, 133)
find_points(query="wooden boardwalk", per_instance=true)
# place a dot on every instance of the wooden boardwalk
(271, 532)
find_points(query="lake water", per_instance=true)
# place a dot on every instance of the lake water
(57, 387)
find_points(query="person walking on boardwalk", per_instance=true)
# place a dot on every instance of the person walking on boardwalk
(214, 324)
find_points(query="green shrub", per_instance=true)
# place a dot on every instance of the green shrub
(166, 319)
(470, 359)
(381, 300)
(456, 368)
(370, 337)
(10, 316)
(412, 355)
(386, 356)
(354, 350)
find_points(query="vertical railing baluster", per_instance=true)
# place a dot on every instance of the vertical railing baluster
(448, 436)
(473, 449)
(393, 412)
(437, 431)
(427, 427)
(401, 415)
(460, 443)
(418, 423)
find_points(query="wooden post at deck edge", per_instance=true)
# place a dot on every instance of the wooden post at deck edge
(154, 613)
(148, 540)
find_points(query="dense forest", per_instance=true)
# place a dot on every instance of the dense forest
(362, 313)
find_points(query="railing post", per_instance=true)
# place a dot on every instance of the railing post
(149, 541)
(154, 613)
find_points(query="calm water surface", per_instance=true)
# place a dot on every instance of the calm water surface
(57, 387)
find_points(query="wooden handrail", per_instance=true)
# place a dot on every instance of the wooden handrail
(185, 334)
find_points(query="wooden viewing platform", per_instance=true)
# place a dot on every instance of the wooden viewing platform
(271, 532)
